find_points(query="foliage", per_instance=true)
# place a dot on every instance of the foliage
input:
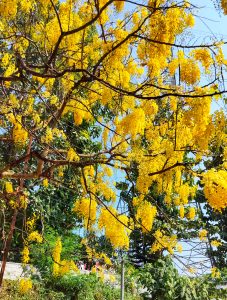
(162, 281)
(82, 287)
(41, 257)
(10, 290)
(95, 90)
(88, 287)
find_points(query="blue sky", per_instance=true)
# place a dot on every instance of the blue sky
(211, 25)
(209, 21)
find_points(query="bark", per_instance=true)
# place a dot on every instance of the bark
(7, 246)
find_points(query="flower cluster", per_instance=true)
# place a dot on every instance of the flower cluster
(145, 215)
(86, 208)
(61, 267)
(215, 273)
(163, 241)
(72, 155)
(215, 188)
(25, 285)
(34, 236)
(203, 235)
(115, 227)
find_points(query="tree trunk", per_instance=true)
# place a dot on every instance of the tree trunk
(7, 246)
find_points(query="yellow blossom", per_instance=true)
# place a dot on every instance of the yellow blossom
(9, 187)
(181, 211)
(179, 248)
(25, 254)
(145, 215)
(48, 137)
(203, 235)
(34, 236)
(112, 278)
(86, 208)
(115, 231)
(216, 243)
(215, 273)
(191, 213)
(192, 270)
(30, 223)
(163, 241)
(72, 155)
(215, 188)
(25, 285)
(57, 256)
(45, 182)
(60, 171)
(23, 201)
(133, 123)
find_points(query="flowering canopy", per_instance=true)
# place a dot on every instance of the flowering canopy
(64, 63)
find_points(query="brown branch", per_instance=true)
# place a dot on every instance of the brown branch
(56, 12)
(178, 164)
(69, 32)
(120, 43)
(175, 45)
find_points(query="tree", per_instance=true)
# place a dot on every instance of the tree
(214, 221)
(113, 65)
(162, 281)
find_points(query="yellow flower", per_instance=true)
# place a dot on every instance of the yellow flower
(66, 266)
(215, 273)
(31, 223)
(190, 71)
(23, 201)
(25, 285)
(20, 134)
(119, 5)
(203, 235)
(163, 241)
(192, 270)
(216, 243)
(86, 208)
(13, 203)
(35, 237)
(179, 248)
(25, 255)
(203, 55)
(215, 188)
(57, 256)
(191, 213)
(9, 187)
(133, 124)
(112, 278)
(190, 21)
(48, 136)
(146, 214)
(107, 260)
(116, 232)
(72, 155)
(45, 182)
(60, 171)
(181, 212)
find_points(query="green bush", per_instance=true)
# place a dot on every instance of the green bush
(10, 291)
(162, 281)
(88, 287)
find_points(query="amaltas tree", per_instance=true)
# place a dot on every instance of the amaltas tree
(128, 69)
